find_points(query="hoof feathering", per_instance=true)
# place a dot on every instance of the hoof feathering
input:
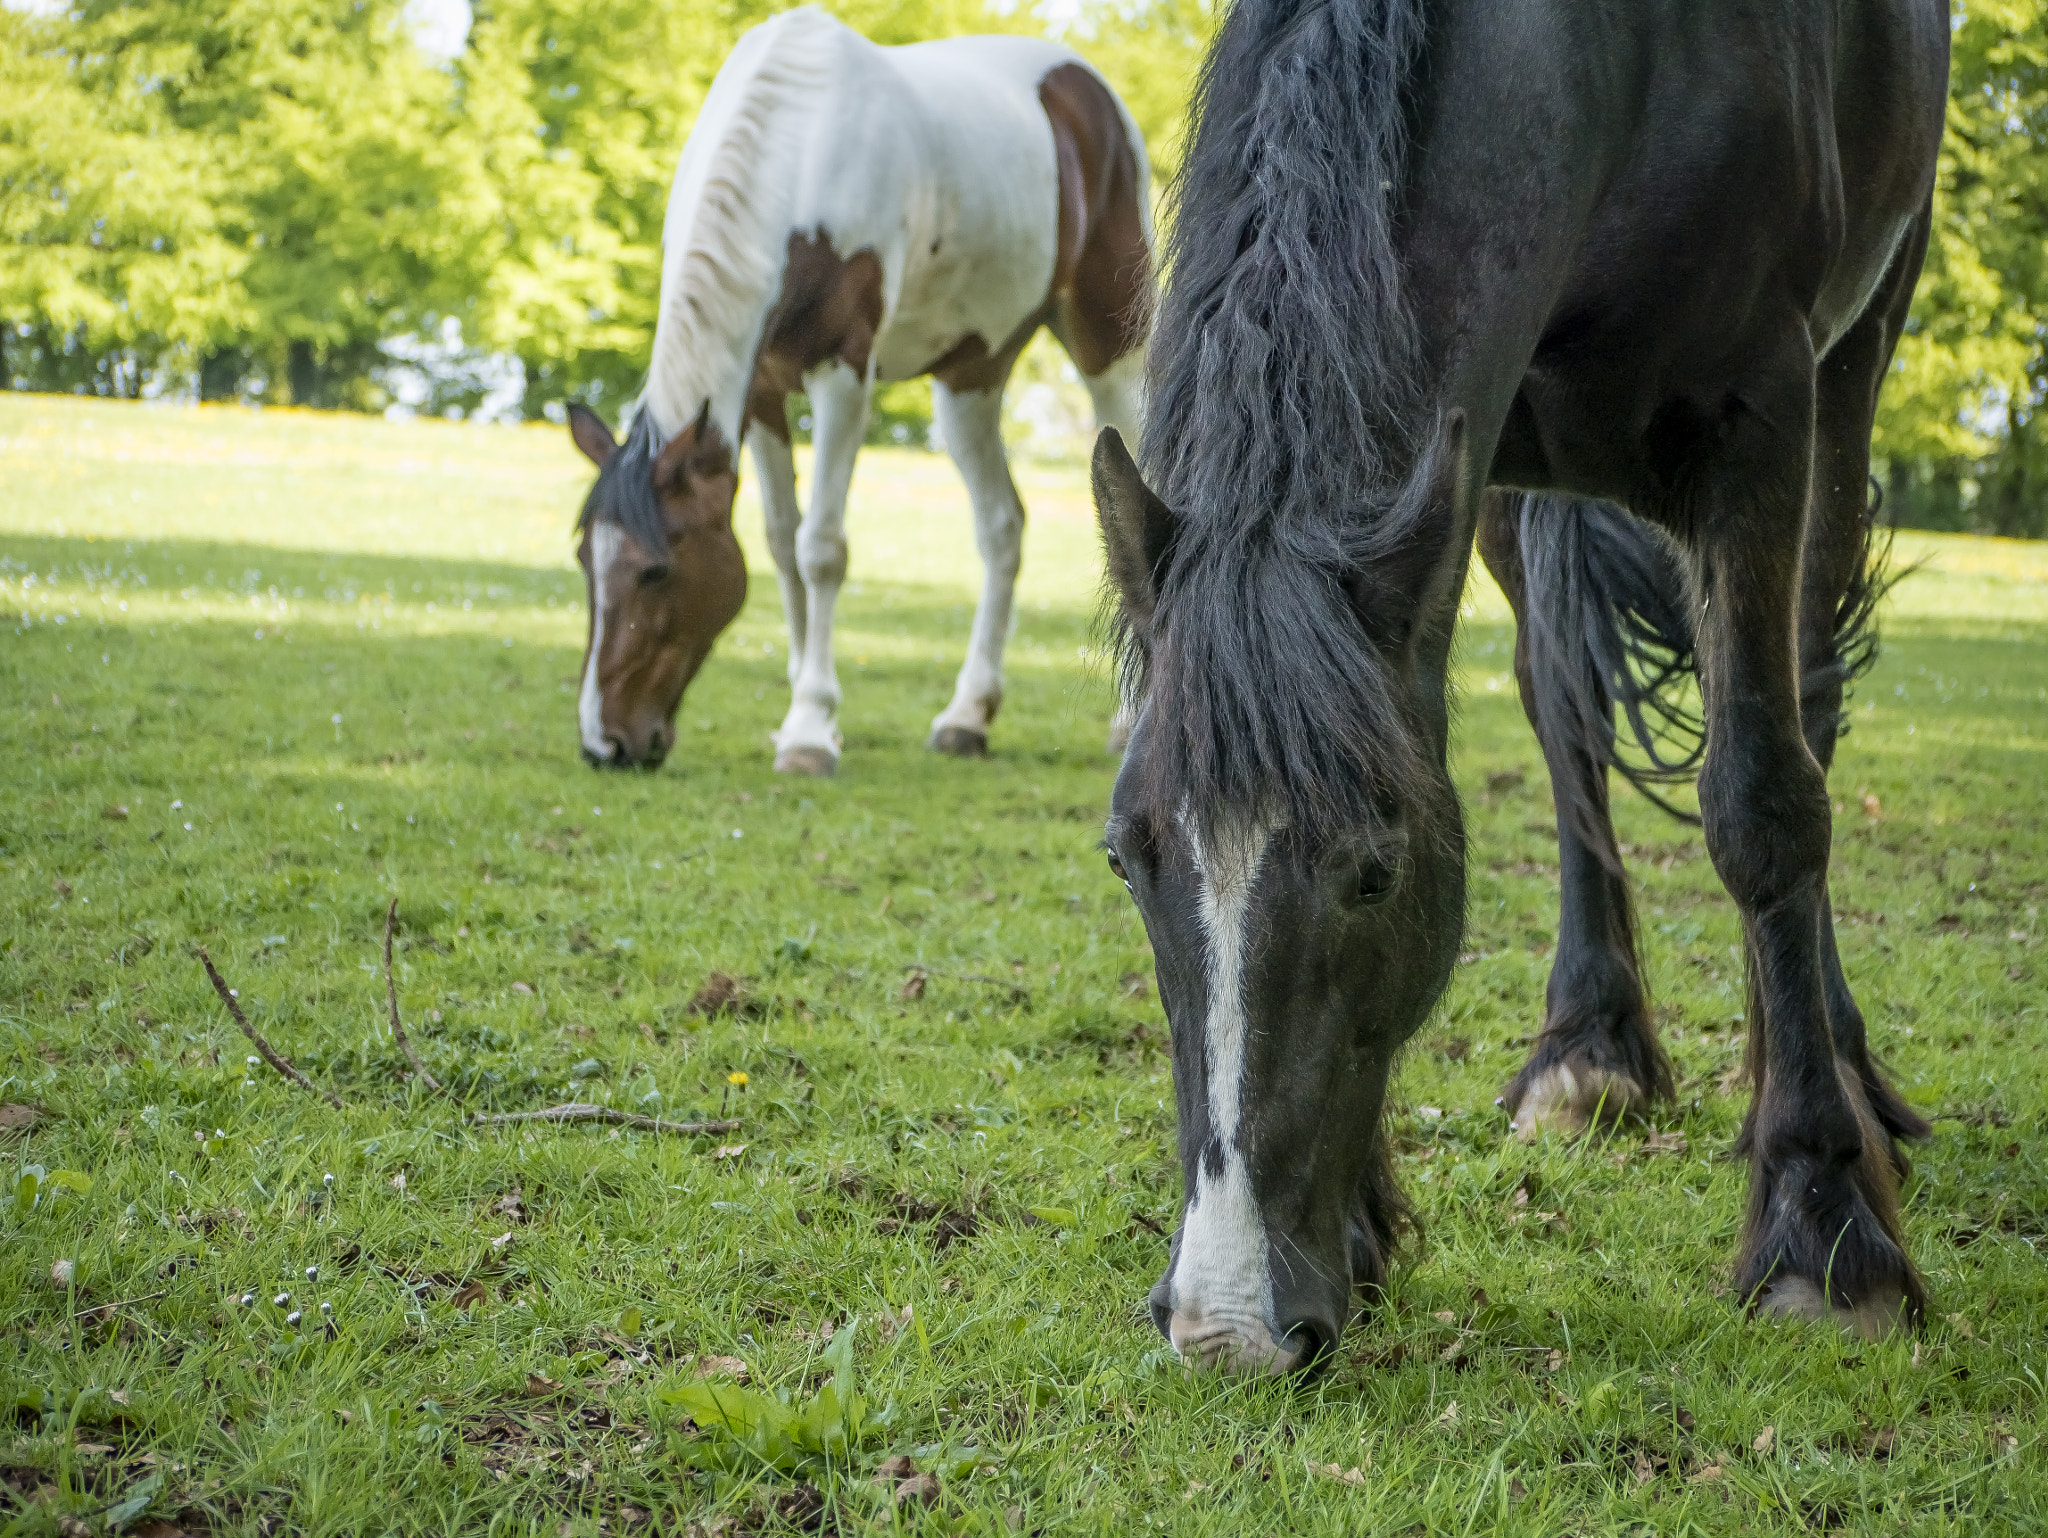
(1794, 1297)
(960, 742)
(1569, 1097)
(818, 763)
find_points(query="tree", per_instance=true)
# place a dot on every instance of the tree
(1958, 423)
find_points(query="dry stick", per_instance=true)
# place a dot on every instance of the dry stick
(270, 1055)
(109, 1308)
(391, 993)
(562, 1113)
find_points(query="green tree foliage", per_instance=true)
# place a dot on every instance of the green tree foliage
(258, 196)
(1959, 420)
(111, 254)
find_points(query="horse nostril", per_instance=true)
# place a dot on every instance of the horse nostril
(1160, 1301)
(1312, 1342)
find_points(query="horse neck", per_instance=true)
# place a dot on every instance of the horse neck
(730, 216)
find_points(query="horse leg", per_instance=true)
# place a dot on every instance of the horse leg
(782, 513)
(1821, 1237)
(1118, 394)
(970, 422)
(1834, 620)
(1596, 1059)
(808, 742)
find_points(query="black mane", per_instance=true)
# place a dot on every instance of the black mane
(1285, 419)
(624, 492)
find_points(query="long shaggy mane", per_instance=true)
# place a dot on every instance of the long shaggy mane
(1285, 421)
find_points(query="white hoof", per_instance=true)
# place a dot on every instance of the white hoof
(1797, 1298)
(1568, 1098)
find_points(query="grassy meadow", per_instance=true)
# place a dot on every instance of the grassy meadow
(266, 672)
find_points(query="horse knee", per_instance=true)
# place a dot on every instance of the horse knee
(1768, 825)
(822, 559)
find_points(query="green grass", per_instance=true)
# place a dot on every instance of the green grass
(323, 662)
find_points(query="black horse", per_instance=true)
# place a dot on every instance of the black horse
(1656, 254)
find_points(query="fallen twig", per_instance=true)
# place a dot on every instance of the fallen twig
(577, 1112)
(107, 1309)
(391, 994)
(270, 1055)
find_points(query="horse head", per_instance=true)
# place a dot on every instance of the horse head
(1297, 854)
(664, 576)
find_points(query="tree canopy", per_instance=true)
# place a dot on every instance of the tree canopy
(273, 199)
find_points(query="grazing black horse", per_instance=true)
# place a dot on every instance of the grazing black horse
(1656, 254)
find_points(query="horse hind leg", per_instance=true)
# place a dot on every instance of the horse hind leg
(1596, 1060)
(970, 423)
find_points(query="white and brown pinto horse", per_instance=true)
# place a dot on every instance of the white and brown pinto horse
(844, 214)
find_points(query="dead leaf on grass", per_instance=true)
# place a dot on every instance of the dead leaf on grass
(1706, 1473)
(1351, 1476)
(722, 994)
(540, 1386)
(913, 986)
(470, 1296)
(1665, 1142)
(720, 1367)
(17, 1119)
(1766, 1439)
(728, 1150)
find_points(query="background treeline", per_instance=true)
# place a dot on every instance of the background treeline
(291, 201)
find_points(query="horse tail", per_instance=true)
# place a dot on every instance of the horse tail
(1607, 630)
(1872, 575)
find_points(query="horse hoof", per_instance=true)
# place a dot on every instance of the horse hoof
(818, 763)
(959, 742)
(1794, 1297)
(1569, 1097)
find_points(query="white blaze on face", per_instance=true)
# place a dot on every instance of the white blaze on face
(1222, 1288)
(605, 540)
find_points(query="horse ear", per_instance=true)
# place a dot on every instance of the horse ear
(587, 428)
(1137, 528)
(699, 449)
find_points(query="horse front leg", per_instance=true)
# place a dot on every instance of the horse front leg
(1596, 1061)
(971, 425)
(782, 514)
(1821, 1238)
(808, 742)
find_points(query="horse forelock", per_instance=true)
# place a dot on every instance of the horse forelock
(624, 496)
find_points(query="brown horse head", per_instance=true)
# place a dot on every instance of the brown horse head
(664, 576)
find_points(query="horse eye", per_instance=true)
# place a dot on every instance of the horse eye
(1116, 868)
(652, 575)
(1375, 883)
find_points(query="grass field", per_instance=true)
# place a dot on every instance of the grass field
(267, 672)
